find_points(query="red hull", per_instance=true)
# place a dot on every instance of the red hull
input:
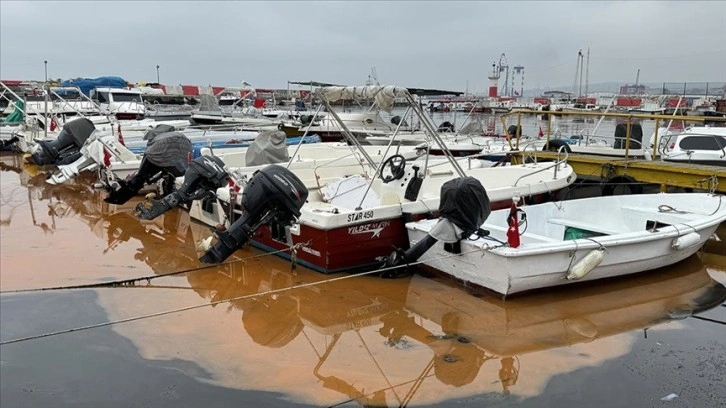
(353, 247)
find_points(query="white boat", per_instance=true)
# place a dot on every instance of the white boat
(577, 240)
(696, 145)
(353, 222)
(120, 102)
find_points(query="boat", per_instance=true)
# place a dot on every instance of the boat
(565, 242)
(696, 145)
(122, 103)
(118, 160)
(352, 222)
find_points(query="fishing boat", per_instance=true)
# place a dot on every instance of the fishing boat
(559, 243)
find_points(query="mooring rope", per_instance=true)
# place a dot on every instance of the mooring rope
(125, 282)
(253, 295)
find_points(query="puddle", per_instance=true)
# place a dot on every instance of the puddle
(410, 341)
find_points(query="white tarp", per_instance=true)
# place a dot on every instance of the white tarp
(383, 95)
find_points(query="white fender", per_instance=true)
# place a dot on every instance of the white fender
(586, 264)
(685, 241)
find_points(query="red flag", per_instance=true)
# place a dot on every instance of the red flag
(541, 134)
(106, 158)
(120, 136)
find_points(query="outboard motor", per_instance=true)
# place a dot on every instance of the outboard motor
(167, 155)
(397, 119)
(446, 127)
(636, 136)
(463, 209)
(203, 177)
(66, 148)
(512, 131)
(8, 142)
(273, 193)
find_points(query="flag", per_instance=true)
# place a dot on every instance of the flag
(120, 136)
(541, 133)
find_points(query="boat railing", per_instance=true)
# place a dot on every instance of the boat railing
(629, 118)
(556, 165)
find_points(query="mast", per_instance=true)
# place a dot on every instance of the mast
(587, 71)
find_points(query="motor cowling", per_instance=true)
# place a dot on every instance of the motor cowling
(273, 193)
(202, 178)
(66, 148)
(463, 208)
(167, 155)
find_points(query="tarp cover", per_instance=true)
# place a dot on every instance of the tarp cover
(157, 130)
(87, 84)
(208, 103)
(383, 95)
(170, 150)
(268, 148)
(79, 129)
(16, 116)
(465, 202)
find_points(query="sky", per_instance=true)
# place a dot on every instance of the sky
(431, 44)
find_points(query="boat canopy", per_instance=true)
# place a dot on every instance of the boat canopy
(311, 83)
(383, 95)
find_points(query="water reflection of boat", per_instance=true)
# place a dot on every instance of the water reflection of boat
(167, 243)
(462, 331)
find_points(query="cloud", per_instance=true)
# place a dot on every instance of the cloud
(427, 44)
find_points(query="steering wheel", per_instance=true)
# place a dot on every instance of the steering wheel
(397, 164)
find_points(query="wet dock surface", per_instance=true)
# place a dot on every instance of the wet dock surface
(257, 333)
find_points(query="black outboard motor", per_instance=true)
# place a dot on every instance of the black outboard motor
(397, 119)
(167, 155)
(636, 136)
(463, 208)
(66, 148)
(8, 142)
(446, 127)
(512, 131)
(202, 179)
(273, 193)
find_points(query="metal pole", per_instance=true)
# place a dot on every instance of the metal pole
(302, 138)
(157, 75)
(656, 142)
(627, 138)
(45, 98)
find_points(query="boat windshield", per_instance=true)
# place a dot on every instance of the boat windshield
(126, 97)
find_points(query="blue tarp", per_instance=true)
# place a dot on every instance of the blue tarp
(87, 84)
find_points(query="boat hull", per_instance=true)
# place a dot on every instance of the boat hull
(350, 247)
(543, 262)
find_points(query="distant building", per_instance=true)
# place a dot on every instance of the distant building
(632, 90)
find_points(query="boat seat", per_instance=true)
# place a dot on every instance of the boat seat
(583, 226)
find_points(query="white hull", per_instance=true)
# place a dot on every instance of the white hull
(544, 259)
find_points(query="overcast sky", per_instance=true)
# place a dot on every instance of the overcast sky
(434, 44)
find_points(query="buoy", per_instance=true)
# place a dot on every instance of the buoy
(586, 264)
(685, 241)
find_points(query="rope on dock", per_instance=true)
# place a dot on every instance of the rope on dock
(132, 281)
(253, 295)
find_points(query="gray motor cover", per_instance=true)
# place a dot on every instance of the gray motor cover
(171, 150)
(269, 147)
